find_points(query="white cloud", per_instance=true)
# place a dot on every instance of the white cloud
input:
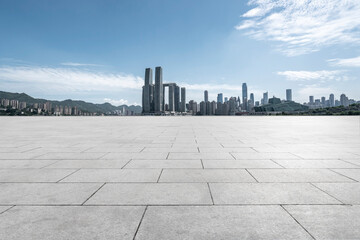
(73, 64)
(116, 102)
(302, 26)
(69, 79)
(321, 76)
(345, 62)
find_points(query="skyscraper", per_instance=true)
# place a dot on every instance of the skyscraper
(288, 95)
(265, 98)
(177, 98)
(183, 100)
(344, 101)
(158, 95)
(311, 100)
(332, 100)
(220, 98)
(323, 101)
(206, 96)
(147, 91)
(244, 96)
(171, 97)
(252, 99)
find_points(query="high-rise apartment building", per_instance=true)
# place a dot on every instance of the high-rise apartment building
(265, 98)
(206, 96)
(311, 100)
(288, 95)
(158, 95)
(220, 98)
(332, 100)
(183, 100)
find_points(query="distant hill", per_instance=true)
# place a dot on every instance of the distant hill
(287, 106)
(81, 105)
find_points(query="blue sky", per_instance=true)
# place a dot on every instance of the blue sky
(98, 50)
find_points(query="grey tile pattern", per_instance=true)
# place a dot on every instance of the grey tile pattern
(179, 178)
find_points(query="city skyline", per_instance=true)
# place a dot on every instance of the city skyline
(100, 57)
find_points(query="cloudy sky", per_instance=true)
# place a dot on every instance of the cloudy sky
(98, 50)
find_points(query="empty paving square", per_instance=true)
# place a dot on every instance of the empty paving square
(180, 177)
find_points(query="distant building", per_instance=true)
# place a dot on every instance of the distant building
(202, 108)
(323, 101)
(265, 98)
(252, 99)
(220, 98)
(311, 100)
(244, 96)
(288, 95)
(206, 96)
(158, 94)
(344, 101)
(183, 100)
(332, 100)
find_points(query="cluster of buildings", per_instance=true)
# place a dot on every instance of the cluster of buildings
(153, 95)
(331, 102)
(43, 108)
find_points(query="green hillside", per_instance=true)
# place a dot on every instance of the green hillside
(81, 105)
(287, 106)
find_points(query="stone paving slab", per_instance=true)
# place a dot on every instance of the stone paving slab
(315, 164)
(269, 193)
(69, 222)
(6, 164)
(219, 222)
(348, 193)
(351, 173)
(114, 175)
(88, 164)
(205, 175)
(328, 222)
(46, 193)
(298, 175)
(152, 194)
(240, 164)
(164, 164)
(34, 175)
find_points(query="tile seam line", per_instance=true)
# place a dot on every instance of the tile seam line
(212, 198)
(12, 206)
(68, 175)
(331, 169)
(160, 175)
(297, 222)
(138, 227)
(327, 193)
(251, 175)
(93, 194)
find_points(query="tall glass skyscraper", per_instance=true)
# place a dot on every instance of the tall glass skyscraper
(244, 95)
(288, 95)
(220, 98)
(206, 96)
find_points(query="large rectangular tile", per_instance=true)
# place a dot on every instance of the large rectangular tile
(70, 156)
(152, 194)
(46, 193)
(297, 175)
(348, 193)
(315, 164)
(114, 175)
(205, 175)
(240, 164)
(269, 193)
(328, 222)
(33, 175)
(70, 222)
(18, 156)
(265, 156)
(351, 173)
(89, 164)
(219, 222)
(164, 164)
(25, 163)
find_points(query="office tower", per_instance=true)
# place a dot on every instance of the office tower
(265, 98)
(147, 90)
(323, 101)
(208, 107)
(177, 98)
(332, 100)
(171, 97)
(183, 100)
(213, 108)
(158, 94)
(220, 98)
(311, 100)
(257, 104)
(252, 99)
(244, 96)
(344, 101)
(206, 96)
(202, 108)
(226, 99)
(232, 103)
(288, 95)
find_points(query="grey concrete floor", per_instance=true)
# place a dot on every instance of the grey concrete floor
(180, 178)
